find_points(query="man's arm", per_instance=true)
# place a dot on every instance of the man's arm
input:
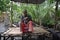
(30, 18)
(21, 23)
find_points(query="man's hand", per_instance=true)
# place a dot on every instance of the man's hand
(26, 18)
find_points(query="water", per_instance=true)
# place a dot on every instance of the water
(2, 27)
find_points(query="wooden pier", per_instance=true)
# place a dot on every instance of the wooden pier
(15, 32)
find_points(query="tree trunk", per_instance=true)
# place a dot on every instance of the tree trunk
(11, 13)
(56, 10)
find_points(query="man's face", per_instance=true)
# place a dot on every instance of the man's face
(25, 13)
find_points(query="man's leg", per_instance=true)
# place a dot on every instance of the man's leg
(30, 24)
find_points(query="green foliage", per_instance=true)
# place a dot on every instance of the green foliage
(39, 12)
(4, 4)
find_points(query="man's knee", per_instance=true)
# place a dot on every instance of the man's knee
(30, 23)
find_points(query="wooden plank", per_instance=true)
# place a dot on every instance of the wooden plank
(13, 31)
(10, 29)
(40, 30)
(16, 31)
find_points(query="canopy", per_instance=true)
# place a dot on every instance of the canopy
(30, 1)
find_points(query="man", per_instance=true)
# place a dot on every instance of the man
(26, 25)
(26, 22)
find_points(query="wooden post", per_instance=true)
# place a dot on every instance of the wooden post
(0, 36)
(12, 37)
(4, 38)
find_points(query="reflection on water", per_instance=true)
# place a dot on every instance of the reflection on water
(3, 27)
